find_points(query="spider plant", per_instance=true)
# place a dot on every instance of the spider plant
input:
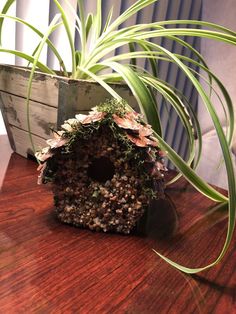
(99, 38)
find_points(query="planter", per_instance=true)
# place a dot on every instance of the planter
(53, 100)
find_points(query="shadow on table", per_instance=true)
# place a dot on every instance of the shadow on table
(230, 291)
(160, 220)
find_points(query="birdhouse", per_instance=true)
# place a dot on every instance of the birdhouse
(104, 168)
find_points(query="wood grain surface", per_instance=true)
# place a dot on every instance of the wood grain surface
(49, 267)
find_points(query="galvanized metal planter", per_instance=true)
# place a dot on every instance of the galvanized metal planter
(53, 99)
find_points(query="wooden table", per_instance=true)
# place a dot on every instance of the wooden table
(49, 267)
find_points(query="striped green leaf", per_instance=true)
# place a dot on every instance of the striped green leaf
(143, 96)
